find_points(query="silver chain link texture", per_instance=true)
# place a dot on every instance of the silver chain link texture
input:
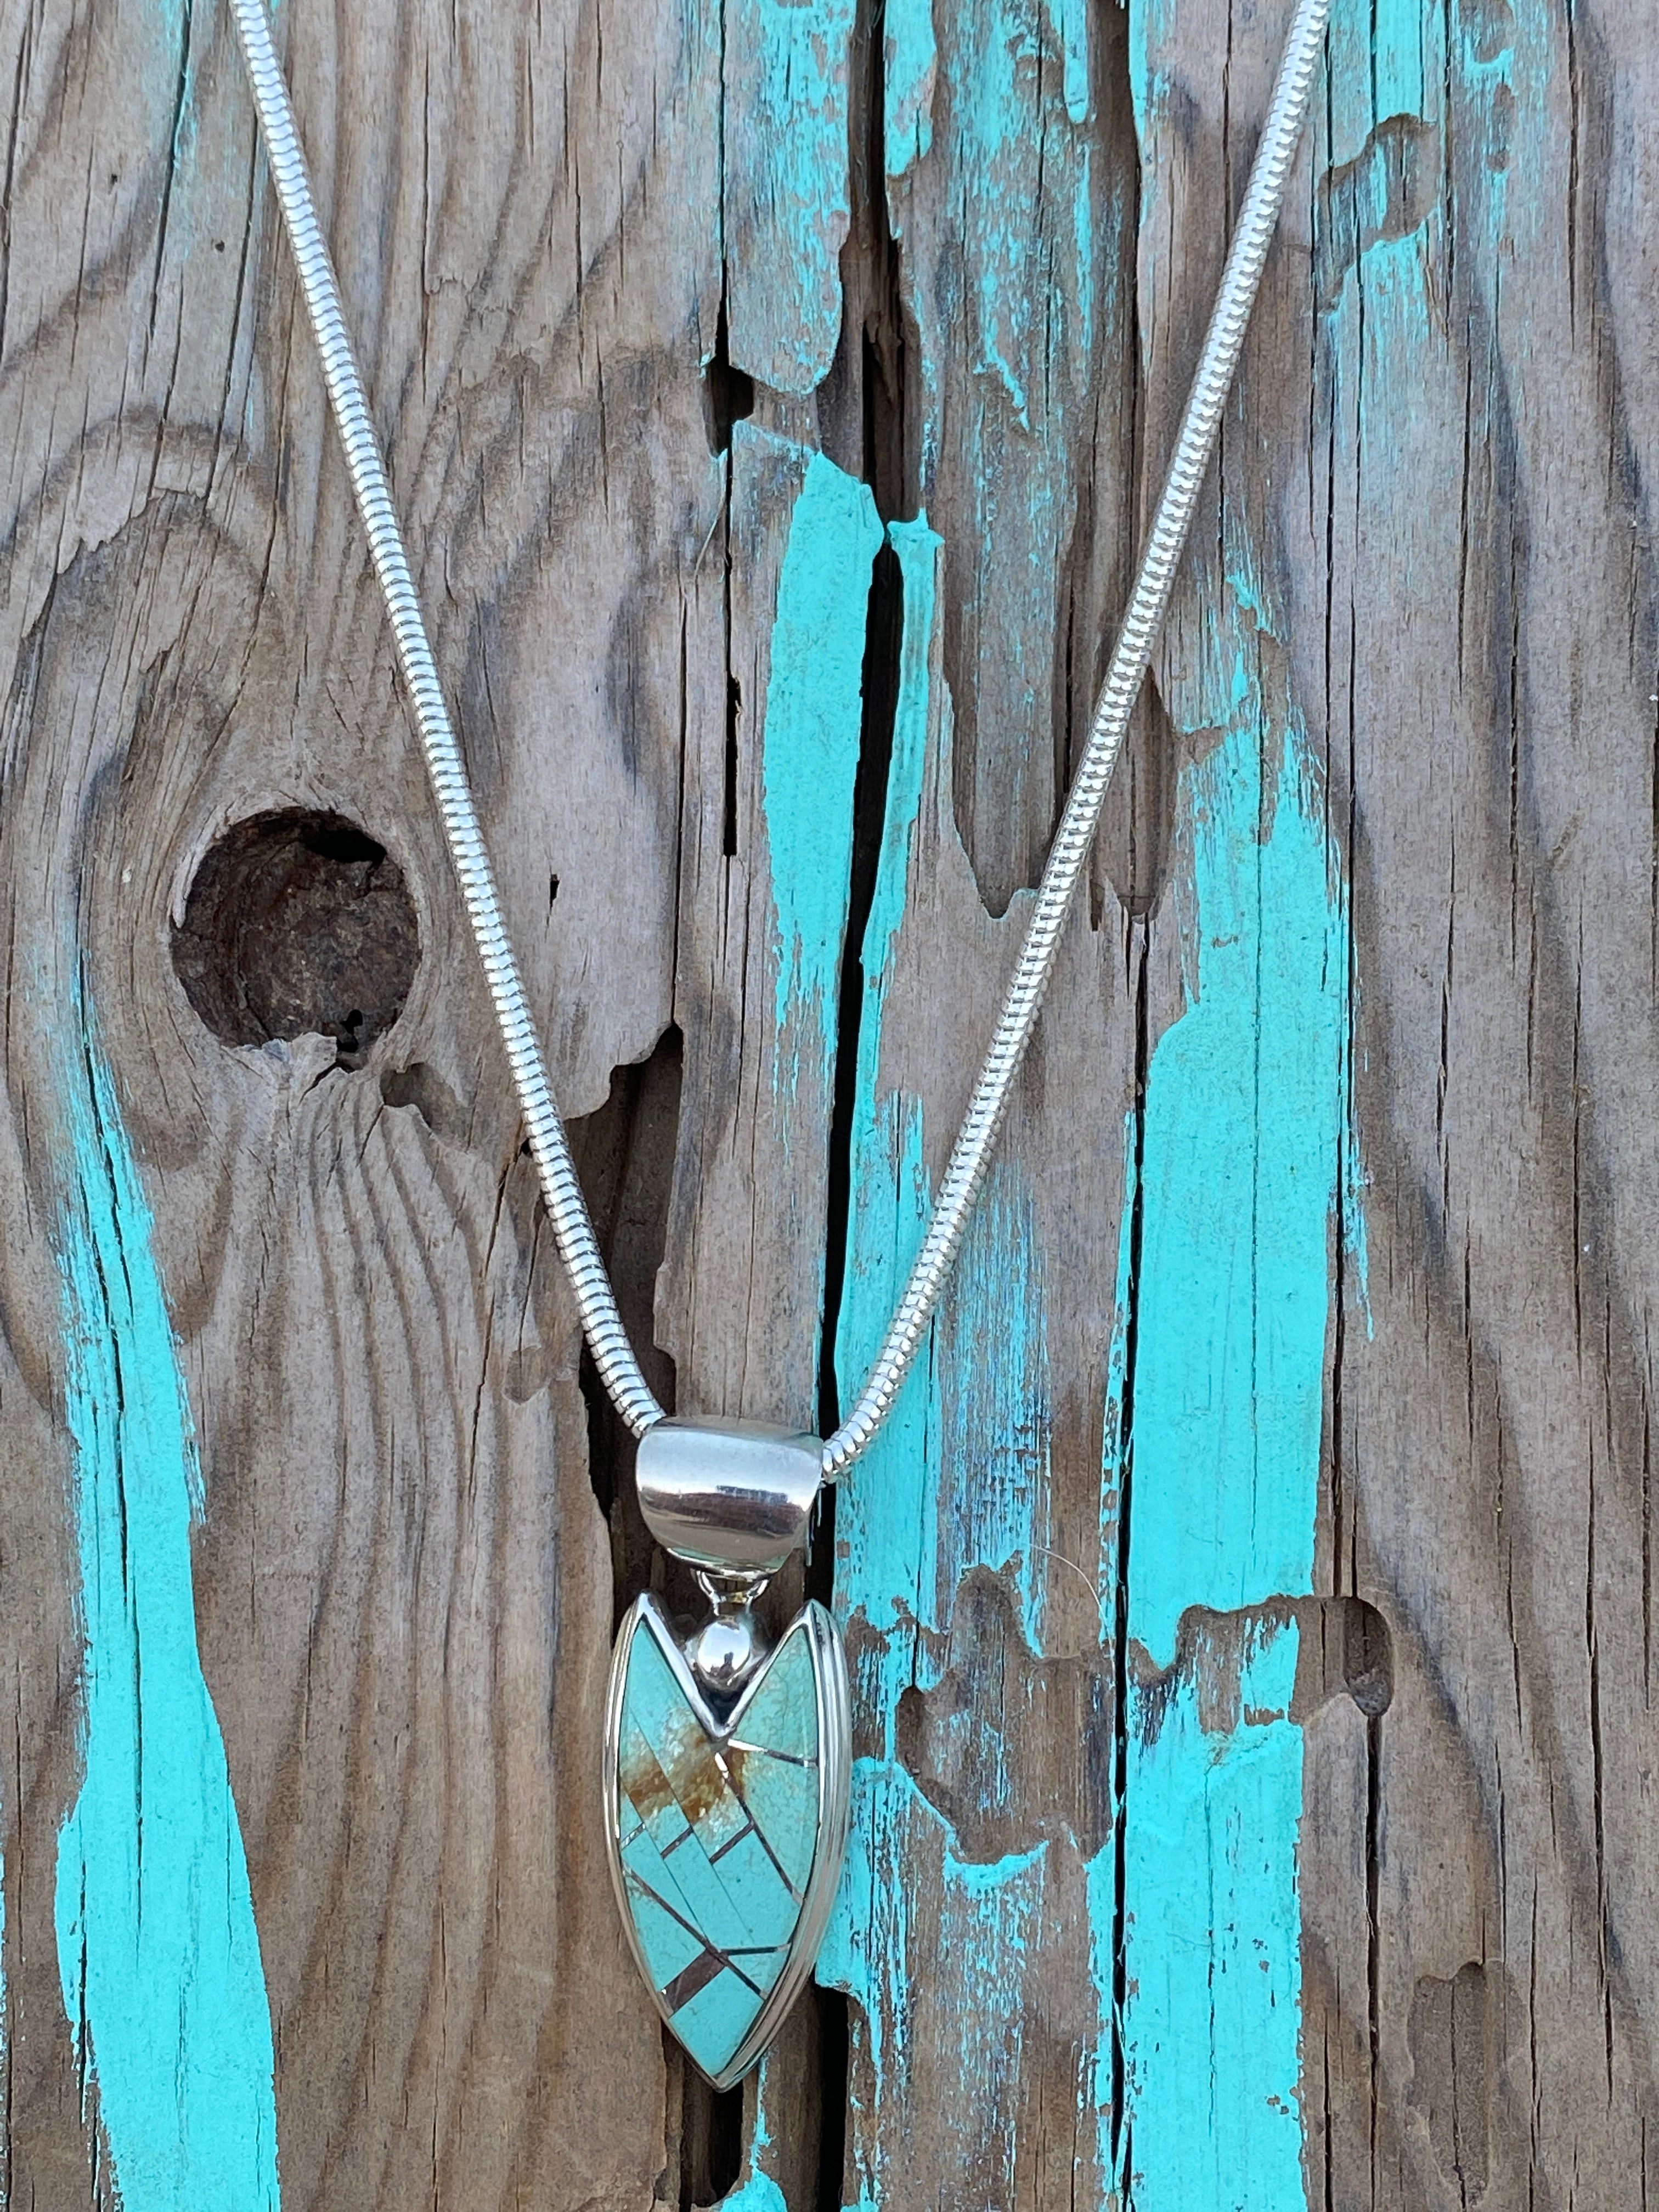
(970, 1156)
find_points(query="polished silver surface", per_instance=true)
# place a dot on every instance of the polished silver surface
(970, 1156)
(725, 1651)
(733, 1497)
(835, 1799)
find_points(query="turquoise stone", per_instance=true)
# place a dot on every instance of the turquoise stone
(717, 1835)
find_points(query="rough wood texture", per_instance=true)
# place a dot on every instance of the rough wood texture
(1249, 1606)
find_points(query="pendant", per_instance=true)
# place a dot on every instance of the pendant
(726, 1765)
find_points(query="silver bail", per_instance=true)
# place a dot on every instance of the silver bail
(733, 1498)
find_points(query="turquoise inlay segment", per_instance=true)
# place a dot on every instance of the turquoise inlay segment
(718, 1836)
(157, 1950)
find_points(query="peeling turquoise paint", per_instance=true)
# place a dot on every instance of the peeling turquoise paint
(157, 1950)
(1117, 1357)
(1001, 265)
(1074, 32)
(1249, 1180)
(893, 1573)
(1101, 1891)
(1398, 74)
(910, 63)
(5, 2053)
(909, 1526)
(996, 1340)
(995, 1349)
(887, 1530)
(810, 751)
(987, 1918)
(996, 100)
(760, 2193)
(1100, 1870)
(1245, 1116)
(1149, 90)
(811, 747)
(1244, 1151)
(785, 189)
(1211, 2018)
(917, 547)
(887, 1524)
(185, 123)
(1348, 85)
(1386, 61)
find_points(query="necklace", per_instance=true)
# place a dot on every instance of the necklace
(726, 1765)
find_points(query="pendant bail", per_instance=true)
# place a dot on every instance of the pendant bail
(733, 1498)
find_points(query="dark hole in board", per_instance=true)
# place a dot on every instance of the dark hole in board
(1367, 1658)
(728, 393)
(297, 924)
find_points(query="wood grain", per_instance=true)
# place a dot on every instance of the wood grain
(772, 394)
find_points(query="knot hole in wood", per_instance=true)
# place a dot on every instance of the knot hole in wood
(298, 923)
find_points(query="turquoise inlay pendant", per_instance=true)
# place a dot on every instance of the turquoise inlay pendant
(726, 1835)
(726, 1767)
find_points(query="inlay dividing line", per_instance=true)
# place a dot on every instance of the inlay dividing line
(783, 1876)
(765, 1751)
(709, 1950)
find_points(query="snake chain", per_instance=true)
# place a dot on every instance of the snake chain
(970, 1156)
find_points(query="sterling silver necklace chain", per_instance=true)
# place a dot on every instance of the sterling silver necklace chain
(726, 1766)
(970, 1155)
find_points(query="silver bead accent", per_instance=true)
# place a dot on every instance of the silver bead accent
(725, 1651)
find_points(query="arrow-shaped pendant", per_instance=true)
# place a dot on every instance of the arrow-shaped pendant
(726, 1766)
(725, 1832)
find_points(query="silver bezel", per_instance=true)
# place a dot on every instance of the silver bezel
(834, 1786)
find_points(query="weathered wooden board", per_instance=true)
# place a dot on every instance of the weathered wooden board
(1249, 1604)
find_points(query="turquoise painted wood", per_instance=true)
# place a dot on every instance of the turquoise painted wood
(815, 658)
(1310, 1305)
(899, 1545)
(157, 1949)
(718, 1833)
(784, 80)
(1245, 1137)
(1232, 1292)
